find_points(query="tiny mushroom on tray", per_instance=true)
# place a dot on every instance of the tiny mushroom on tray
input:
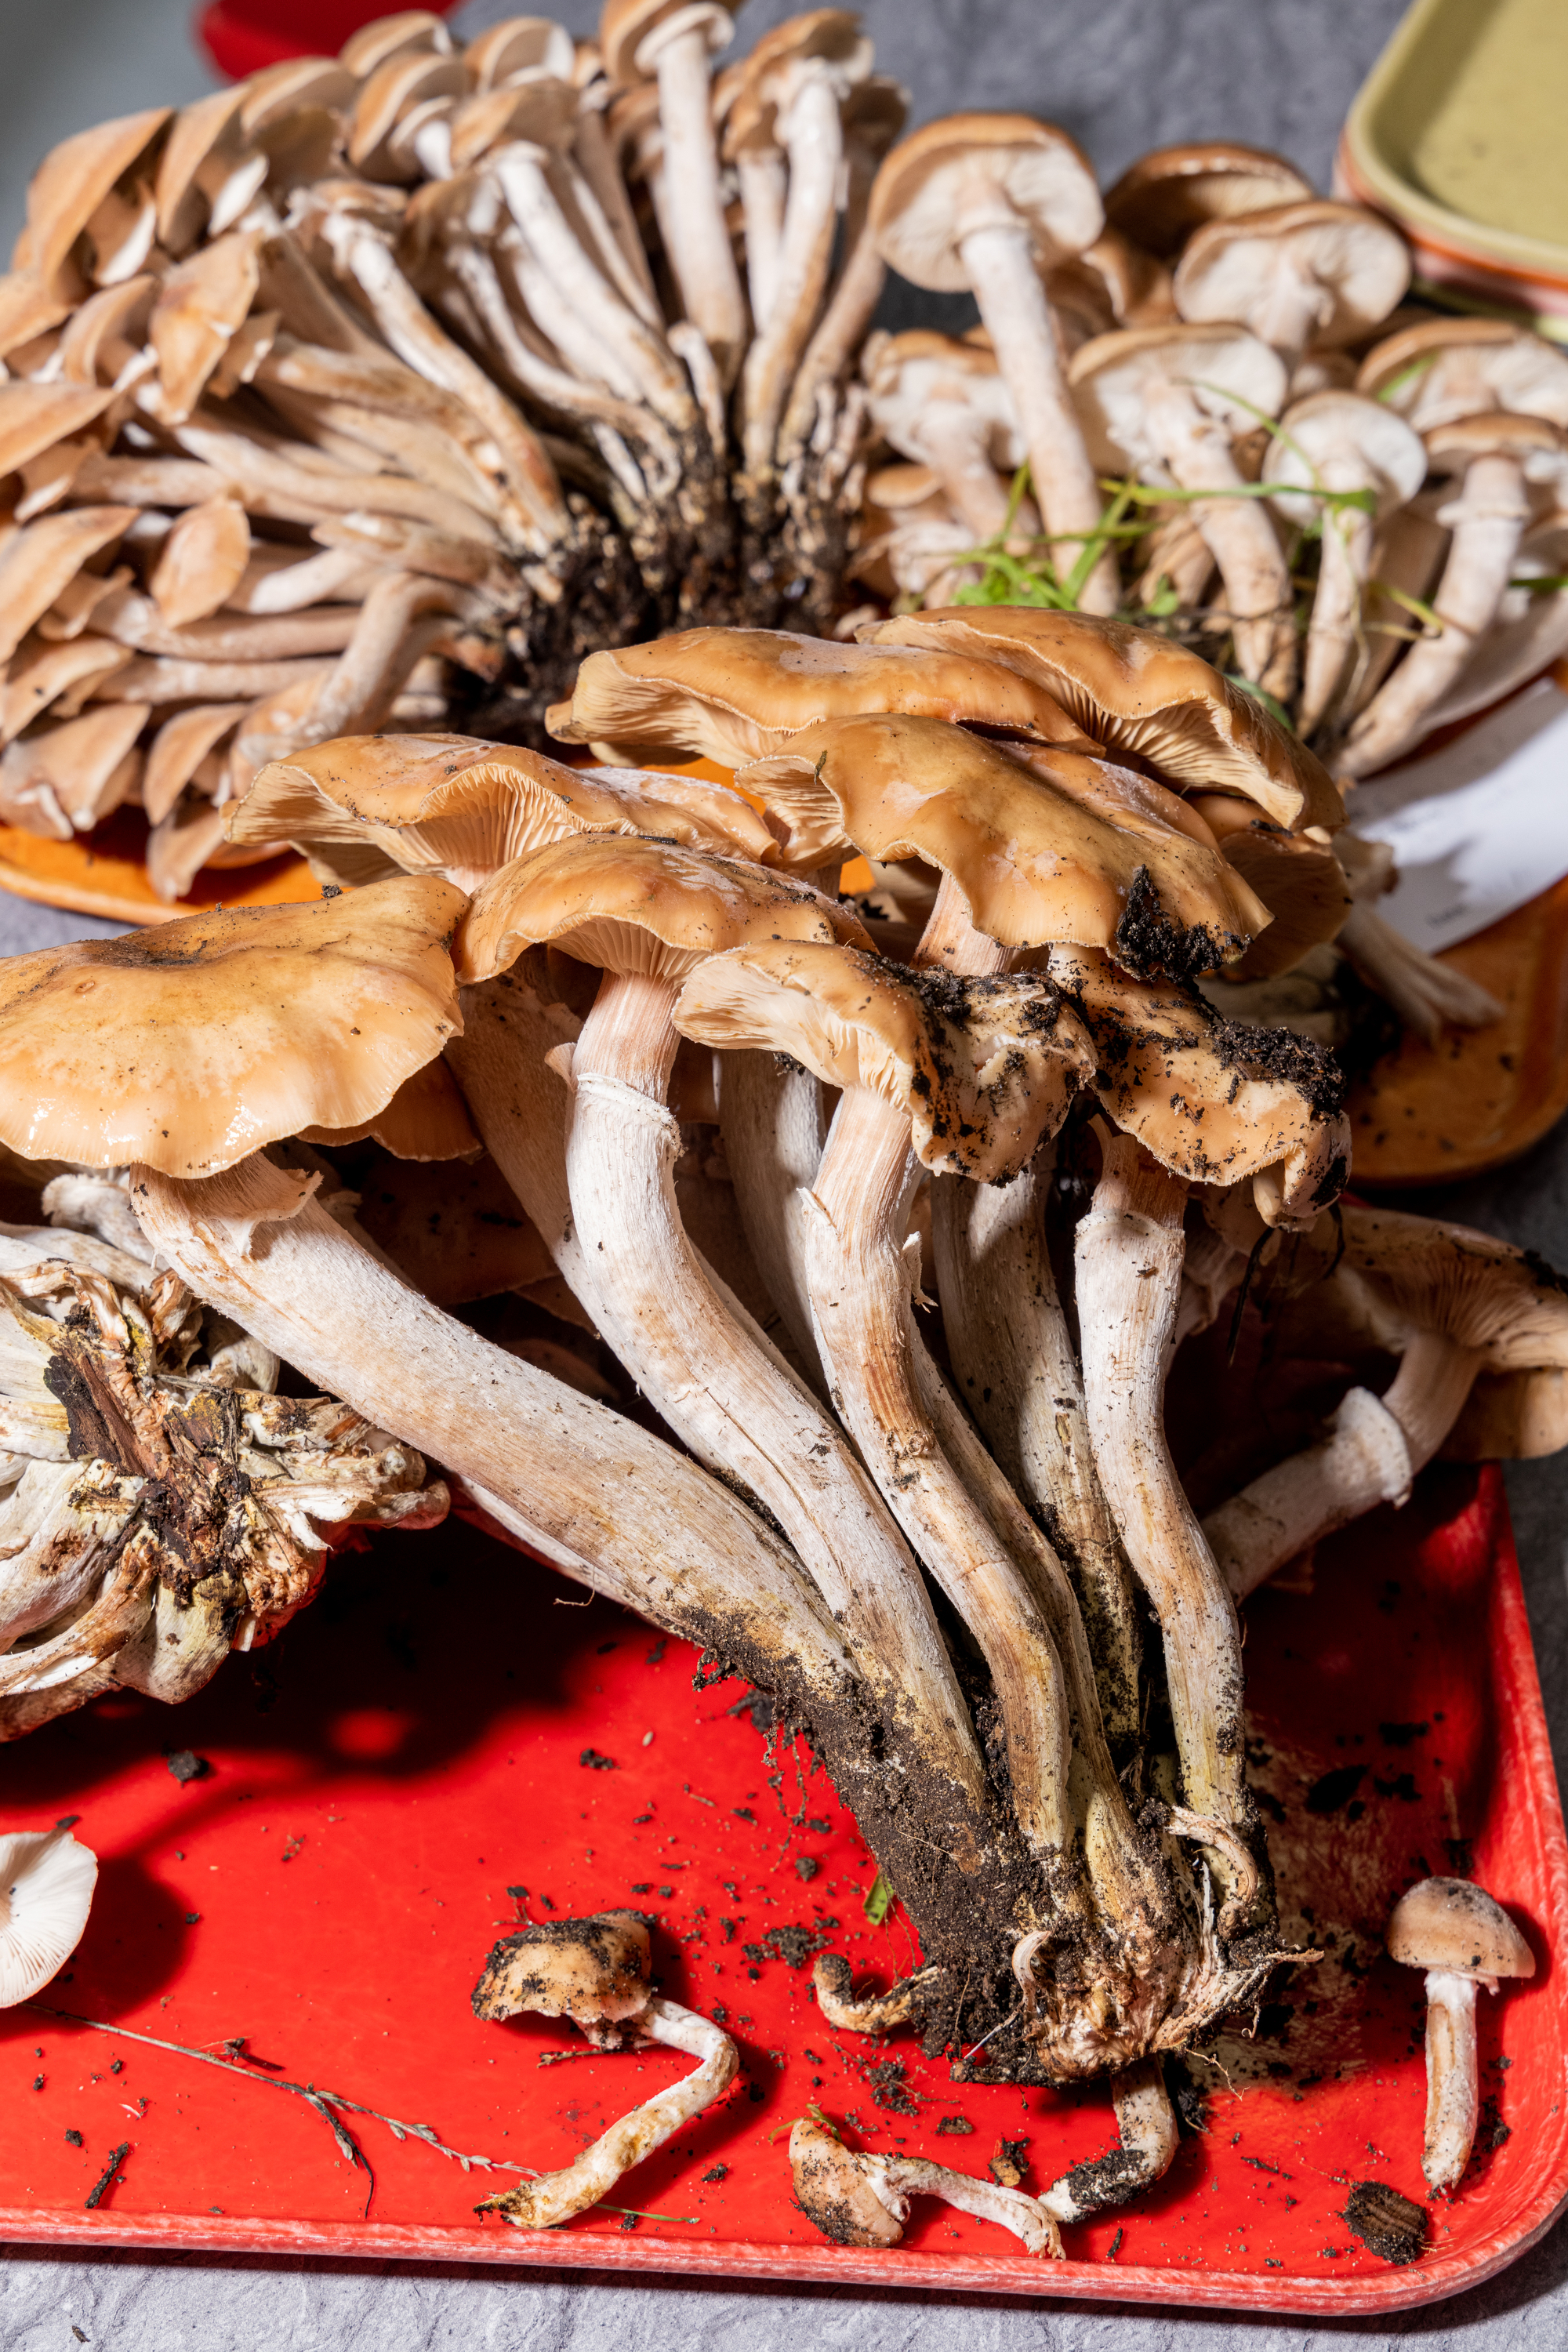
(47, 1881)
(1464, 1941)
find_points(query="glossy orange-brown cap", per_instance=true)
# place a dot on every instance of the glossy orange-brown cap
(1031, 846)
(1133, 691)
(984, 1068)
(367, 806)
(190, 1045)
(1300, 880)
(635, 905)
(730, 695)
(1211, 1101)
(426, 1118)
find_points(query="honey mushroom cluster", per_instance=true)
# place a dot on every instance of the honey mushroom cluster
(740, 1120)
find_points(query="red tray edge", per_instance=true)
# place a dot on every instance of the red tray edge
(1432, 2280)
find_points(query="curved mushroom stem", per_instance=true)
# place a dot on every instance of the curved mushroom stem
(1373, 1452)
(1012, 1356)
(554, 2197)
(832, 1982)
(1427, 993)
(1453, 2094)
(700, 255)
(598, 1497)
(915, 2176)
(771, 1120)
(1335, 626)
(954, 441)
(1195, 446)
(1001, 266)
(1487, 521)
(1129, 1267)
(712, 1375)
(1147, 2125)
(860, 2199)
(811, 131)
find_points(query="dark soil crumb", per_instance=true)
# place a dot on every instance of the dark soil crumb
(793, 1945)
(1493, 2132)
(186, 1765)
(954, 2126)
(1400, 1734)
(74, 2138)
(1191, 2105)
(718, 2172)
(592, 1762)
(1009, 2162)
(1385, 2222)
(1115, 2246)
(106, 2178)
(890, 2084)
(806, 1866)
(1335, 1789)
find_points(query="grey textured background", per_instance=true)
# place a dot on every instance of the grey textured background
(1123, 75)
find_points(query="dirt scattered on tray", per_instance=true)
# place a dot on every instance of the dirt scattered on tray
(1387, 2223)
(186, 1765)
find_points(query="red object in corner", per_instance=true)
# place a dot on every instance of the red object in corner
(241, 37)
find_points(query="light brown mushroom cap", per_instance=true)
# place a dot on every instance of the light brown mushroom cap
(1210, 1100)
(297, 85)
(188, 1045)
(977, 170)
(201, 306)
(1447, 368)
(1167, 193)
(401, 83)
(836, 2189)
(1420, 1274)
(426, 1118)
(625, 25)
(367, 804)
(730, 695)
(1358, 262)
(1230, 372)
(73, 179)
(595, 1971)
(519, 45)
(411, 32)
(984, 1068)
(1539, 448)
(633, 905)
(1323, 430)
(1036, 860)
(1456, 1926)
(1133, 691)
(1300, 880)
(202, 151)
(27, 308)
(33, 417)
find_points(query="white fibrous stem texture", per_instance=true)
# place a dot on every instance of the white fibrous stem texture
(701, 253)
(1196, 448)
(1428, 996)
(772, 1123)
(813, 133)
(1146, 2124)
(1129, 1271)
(714, 1378)
(602, 1499)
(1487, 520)
(554, 2197)
(1335, 625)
(1453, 2088)
(861, 2200)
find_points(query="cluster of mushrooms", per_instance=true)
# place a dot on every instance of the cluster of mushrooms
(377, 390)
(847, 1240)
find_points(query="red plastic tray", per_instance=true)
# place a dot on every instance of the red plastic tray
(425, 1737)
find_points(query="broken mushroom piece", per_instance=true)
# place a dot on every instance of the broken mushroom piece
(1147, 2135)
(1133, 691)
(595, 1971)
(982, 203)
(1464, 1941)
(47, 1882)
(861, 2200)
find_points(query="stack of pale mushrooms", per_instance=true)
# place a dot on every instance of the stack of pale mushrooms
(893, 1204)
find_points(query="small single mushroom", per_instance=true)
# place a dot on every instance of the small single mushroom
(1162, 198)
(1464, 1939)
(1451, 1304)
(942, 404)
(68, 778)
(201, 307)
(1340, 442)
(1133, 691)
(979, 201)
(1493, 459)
(1170, 401)
(1320, 272)
(47, 1881)
(207, 173)
(861, 2200)
(595, 1971)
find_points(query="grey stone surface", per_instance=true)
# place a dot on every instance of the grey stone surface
(1123, 75)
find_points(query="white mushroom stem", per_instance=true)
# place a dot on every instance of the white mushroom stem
(710, 1372)
(1196, 448)
(773, 1132)
(764, 178)
(1427, 995)
(811, 131)
(999, 259)
(861, 2200)
(1487, 521)
(903, 2177)
(1293, 304)
(1146, 2123)
(595, 159)
(556, 2196)
(1129, 1278)
(600, 1499)
(954, 441)
(1373, 1453)
(700, 253)
(1453, 2090)
(842, 327)
(1013, 1358)
(1335, 625)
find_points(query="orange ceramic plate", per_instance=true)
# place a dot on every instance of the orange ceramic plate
(104, 874)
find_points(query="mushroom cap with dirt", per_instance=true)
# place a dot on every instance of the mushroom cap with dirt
(1162, 198)
(984, 1067)
(730, 695)
(214, 1035)
(366, 806)
(47, 1881)
(1133, 691)
(1464, 1939)
(1039, 849)
(863, 2199)
(1319, 272)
